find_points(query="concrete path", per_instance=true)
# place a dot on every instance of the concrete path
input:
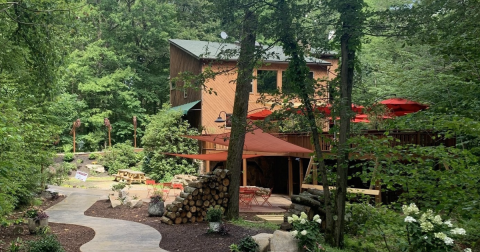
(110, 234)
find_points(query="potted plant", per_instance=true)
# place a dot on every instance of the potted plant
(214, 217)
(156, 207)
(37, 219)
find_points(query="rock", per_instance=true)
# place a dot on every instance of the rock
(46, 195)
(123, 193)
(263, 241)
(135, 203)
(156, 208)
(115, 202)
(96, 168)
(282, 241)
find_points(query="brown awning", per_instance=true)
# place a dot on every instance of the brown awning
(220, 156)
(257, 140)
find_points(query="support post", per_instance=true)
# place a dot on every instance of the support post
(244, 172)
(74, 139)
(300, 166)
(207, 166)
(315, 175)
(378, 198)
(109, 138)
(290, 176)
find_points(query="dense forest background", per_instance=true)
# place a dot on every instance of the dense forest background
(63, 60)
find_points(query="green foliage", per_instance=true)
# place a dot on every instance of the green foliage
(247, 244)
(68, 157)
(164, 135)
(428, 232)
(119, 186)
(255, 225)
(214, 214)
(120, 156)
(307, 232)
(59, 173)
(46, 243)
(16, 245)
(92, 156)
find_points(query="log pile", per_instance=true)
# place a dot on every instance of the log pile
(191, 205)
(310, 202)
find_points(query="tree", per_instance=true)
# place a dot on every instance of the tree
(164, 134)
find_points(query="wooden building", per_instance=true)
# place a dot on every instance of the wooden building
(196, 56)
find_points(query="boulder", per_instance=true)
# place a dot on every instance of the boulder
(283, 241)
(123, 193)
(263, 241)
(135, 203)
(115, 202)
(46, 195)
(96, 168)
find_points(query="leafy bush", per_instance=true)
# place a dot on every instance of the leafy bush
(92, 156)
(214, 214)
(68, 157)
(59, 173)
(164, 135)
(120, 156)
(247, 244)
(307, 232)
(48, 243)
(427, 232)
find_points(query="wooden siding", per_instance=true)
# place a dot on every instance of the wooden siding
(181, 61)
(225, 86)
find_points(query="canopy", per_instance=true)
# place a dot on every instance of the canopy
(400, 106)
(261, 115)
(185, 107)
(257, 140)
(220, 156)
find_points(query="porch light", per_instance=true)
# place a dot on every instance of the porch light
(220, 119)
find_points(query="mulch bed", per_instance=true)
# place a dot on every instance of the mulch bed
(192, 237)
(72, 237)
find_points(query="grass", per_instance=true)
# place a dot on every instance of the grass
(255, 225)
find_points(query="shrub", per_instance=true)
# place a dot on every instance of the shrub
(92, 156)
(120, 156)
(214, 214)
(247, 244)
(307, 232)
(164, 134)
(427, 232)
(119, 186)
(48, 243)
(68, 157)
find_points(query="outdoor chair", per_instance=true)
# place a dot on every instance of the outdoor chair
(165, 189)
(177, 186)
(246, 198)
(150, 186)
(266, 197)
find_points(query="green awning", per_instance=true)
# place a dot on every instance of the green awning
(185, 107)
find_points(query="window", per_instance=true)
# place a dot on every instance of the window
(266, 81)
(287, 87)
(228, 121)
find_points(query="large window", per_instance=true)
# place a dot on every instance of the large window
(266, 81)
(288, 87)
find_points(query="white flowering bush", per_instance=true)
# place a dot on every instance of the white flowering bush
(427, 231)
(307, 232)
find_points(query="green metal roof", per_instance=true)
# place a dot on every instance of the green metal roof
(229, 52)
(185, 107)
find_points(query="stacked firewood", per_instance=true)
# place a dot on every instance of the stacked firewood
(310, 202)
(191, 205)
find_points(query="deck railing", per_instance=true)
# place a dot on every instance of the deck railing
(422, 138)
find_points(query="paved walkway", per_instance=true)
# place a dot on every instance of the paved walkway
(110, 234)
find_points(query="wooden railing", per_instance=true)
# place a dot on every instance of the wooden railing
(422, 138)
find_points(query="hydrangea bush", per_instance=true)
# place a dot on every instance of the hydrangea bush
(428, 232)
(307, 232)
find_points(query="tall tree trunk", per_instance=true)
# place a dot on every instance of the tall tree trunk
(245, 67)
(346, 84)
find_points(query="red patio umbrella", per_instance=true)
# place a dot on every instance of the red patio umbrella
(327, 109)
(260, 115)
(400, 106)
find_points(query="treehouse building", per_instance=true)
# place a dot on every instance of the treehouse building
(279, 161)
